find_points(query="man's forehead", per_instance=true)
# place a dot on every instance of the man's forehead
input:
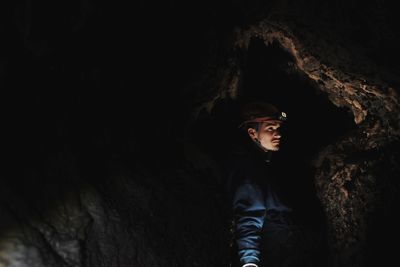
(272, 123)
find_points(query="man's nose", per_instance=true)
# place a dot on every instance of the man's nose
(277, 133)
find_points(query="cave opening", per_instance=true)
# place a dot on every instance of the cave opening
(269, 73)
(314, 122)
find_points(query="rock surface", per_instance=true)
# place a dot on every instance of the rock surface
(95, 179)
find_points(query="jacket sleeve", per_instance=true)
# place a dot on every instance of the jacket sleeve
(249, 213)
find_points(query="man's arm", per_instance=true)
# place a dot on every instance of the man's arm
(249, 212)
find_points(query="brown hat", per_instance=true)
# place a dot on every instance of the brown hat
(260, 112)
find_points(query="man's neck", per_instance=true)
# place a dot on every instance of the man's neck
(264, 153)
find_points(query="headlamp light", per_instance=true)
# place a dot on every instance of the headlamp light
(282, 116)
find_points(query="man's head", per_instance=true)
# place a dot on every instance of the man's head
(262, 122)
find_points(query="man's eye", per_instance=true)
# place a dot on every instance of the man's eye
(270, 129)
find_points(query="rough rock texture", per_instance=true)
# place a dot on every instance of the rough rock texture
(132, 218)
(355, 177)
(95, 180)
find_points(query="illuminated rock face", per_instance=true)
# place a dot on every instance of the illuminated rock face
(355, 175)
(91, 183)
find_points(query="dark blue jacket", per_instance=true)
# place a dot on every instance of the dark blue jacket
(254, 193)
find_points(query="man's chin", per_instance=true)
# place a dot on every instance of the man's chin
(274, 148)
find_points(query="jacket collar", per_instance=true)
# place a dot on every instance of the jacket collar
(250, 148)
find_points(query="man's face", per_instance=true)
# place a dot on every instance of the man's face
(268, 134)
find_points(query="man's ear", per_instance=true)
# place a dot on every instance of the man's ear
(252, 133)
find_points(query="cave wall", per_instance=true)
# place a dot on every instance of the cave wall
(355, 177)
(87, 184)
(95, 172)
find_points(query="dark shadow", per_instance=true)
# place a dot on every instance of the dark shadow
(383, 230)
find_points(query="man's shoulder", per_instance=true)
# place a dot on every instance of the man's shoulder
(246, 168)
(243, 160)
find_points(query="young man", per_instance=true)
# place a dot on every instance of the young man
(266, 232)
